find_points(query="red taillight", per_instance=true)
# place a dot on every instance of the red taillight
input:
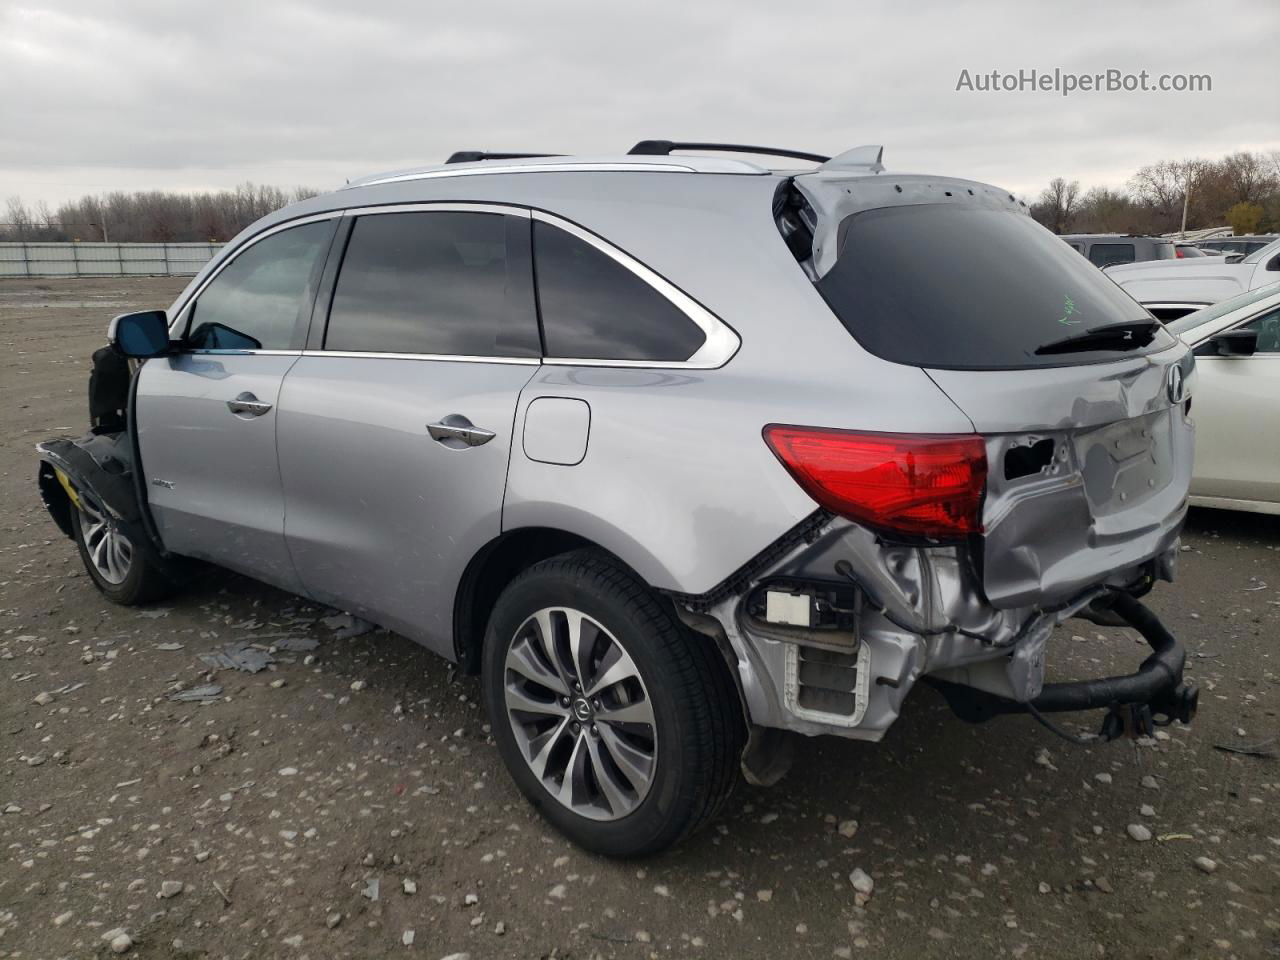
(1179, 254)
(920, 484)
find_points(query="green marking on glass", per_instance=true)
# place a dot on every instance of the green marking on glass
(1068, 308)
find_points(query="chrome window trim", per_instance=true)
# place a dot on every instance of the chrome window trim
(357, 354)
(180, 318)
(721, 341)
(246, 353)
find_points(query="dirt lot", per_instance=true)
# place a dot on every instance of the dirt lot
(348, 802)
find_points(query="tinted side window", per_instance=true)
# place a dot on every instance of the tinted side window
(446, 282)
(1105, 254)
(594, 308)
(259, 299)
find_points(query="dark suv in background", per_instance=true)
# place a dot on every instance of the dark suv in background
(1105, 249)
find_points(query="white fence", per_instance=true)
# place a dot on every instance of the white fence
(104, 259)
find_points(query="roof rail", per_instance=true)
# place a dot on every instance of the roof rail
(662, 148)
(472, 156)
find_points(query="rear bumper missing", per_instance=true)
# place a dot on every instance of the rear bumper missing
(1156, 686)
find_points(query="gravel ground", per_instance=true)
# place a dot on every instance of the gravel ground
(347, 801)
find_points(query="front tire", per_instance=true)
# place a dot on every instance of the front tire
(123, 571)
(620, 725)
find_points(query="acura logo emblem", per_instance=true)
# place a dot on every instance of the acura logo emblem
(1175, 384)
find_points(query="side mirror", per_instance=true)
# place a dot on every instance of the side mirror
(1234, 257)
(144, 334)
(1232, 343)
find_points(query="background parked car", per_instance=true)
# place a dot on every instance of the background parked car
(1175, 288)
(1104, 249)
(1236, 405)
(1245, 245)
(1187, 251)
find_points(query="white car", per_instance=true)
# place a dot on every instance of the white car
(1236, 404)
(1174, 288)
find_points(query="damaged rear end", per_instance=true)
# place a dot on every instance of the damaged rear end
(954, 557)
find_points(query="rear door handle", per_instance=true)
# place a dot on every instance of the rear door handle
(247, 405)
(457, 432)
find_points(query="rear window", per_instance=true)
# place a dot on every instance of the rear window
(1105, 254)
(967, 287)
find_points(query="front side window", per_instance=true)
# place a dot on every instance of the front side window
(436, 282)
(1105, 254)
(260, 299)
(594, 308)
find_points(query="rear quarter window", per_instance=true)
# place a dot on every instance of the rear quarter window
(969, 287)
(594, 308)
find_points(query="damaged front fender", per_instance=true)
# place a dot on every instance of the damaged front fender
(101, 465)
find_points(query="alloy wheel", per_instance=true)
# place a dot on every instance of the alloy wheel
(109, 550)
(581, 713)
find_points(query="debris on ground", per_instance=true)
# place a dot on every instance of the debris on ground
(241, 656)
(206, 693)
(345, 626)
(295, 644)
(1251, 750)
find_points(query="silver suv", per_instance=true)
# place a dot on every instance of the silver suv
(681, 454)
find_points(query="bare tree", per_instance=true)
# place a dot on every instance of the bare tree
(1166, 187)
(1248, 177)
(1057, 204)
(18, 218)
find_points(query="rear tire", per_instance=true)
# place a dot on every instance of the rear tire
(644, 723)
(123, 572)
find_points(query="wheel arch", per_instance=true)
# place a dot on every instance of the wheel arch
(56, 497)
(495, 565)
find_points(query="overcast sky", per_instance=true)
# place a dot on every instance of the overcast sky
(137, 94)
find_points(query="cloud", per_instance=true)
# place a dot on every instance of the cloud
(137, 94)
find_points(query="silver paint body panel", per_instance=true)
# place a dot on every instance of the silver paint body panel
(381, 520)
(221, 500)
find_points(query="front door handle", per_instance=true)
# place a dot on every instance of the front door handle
(247, 405)
(457, 432)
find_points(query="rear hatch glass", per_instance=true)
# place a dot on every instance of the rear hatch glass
(968, 287)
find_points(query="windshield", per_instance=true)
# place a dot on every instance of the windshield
(970, 287)
(1188, 323)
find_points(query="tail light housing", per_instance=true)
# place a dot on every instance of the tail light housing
(921, 485)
